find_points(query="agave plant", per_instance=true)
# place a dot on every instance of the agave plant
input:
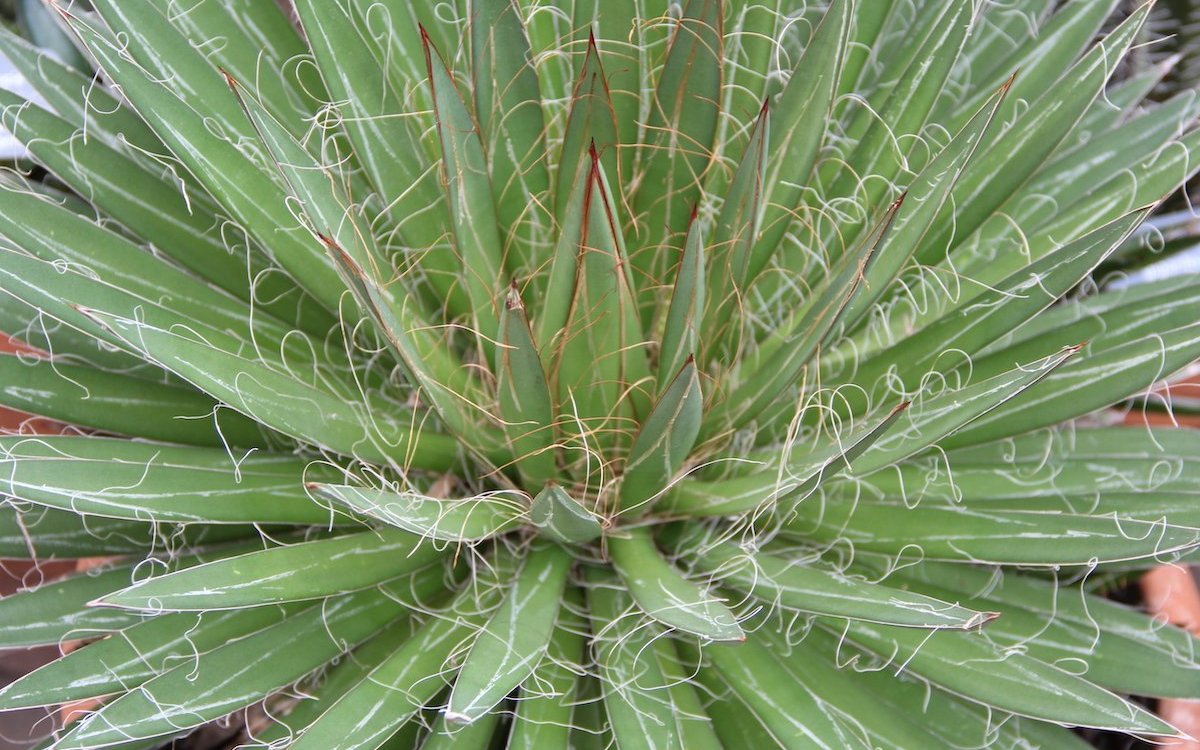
(549, 374)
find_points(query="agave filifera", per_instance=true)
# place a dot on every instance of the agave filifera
(548, 374)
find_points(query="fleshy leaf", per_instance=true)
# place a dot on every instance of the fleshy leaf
(664, 442)
(515, 639)
(524, 395)
(662, 592)
(295, 572)
(456, 520)
(564, 519)
(812, 587)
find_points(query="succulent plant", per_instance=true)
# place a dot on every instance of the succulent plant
(548, 374)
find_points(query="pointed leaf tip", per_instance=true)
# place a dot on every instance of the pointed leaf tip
(1008, 83)
(563, 519)
(512, 298)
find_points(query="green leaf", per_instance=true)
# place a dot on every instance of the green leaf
(1112, 318)
(1089, 383)
(1145, 506)
(524, 395)
(924, 200)
(128, 658)
(260, 45)
(515, 639)
(367, 90)
(602, 374)
(1052, 469)
(119, 271)
(48, 613)
(64, 88)
(588, 721)
(106, 401)
(999, 33)
(564, 519)
(807, 586)
(830, 462)
(151, 42)
(937, 415)
(1112, 645)
(327, 209)
(508, 102)
(630, 50)
(680, 131)
(970, 665)
(347, 673)
(1006, 163)
(34, 327)
(988, 257)
(337, 225)
(178, 223)
(458, 520)
(1136, 163)
(955, 721)
(147, 482)
(664, 442)
(469, 188)
(35, 532)
(1105, 156)
(641, 715)
(662, 592)
(760, 490)
(841, 696)
(475, 736)
(732, 242)
(734, 724)
(294, 572)
(546, 704)
(562, 279)
(776, 366)
(800, 115)
(868, 30)
(780, 700)
(993, 312)
(249, 194)
(237, 674)
(39, 22)
(753, 72)
(280, 400)
(26, 279)
(1042, 57)
(1122, 98)
(554, 71)
(681, 336)
(400, 684)
(696, 728)
(988, 535)
(1157, 174)
(882, 149)
(591, 125)
(391, 31)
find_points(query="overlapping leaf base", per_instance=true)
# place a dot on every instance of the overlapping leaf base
(590, 374)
